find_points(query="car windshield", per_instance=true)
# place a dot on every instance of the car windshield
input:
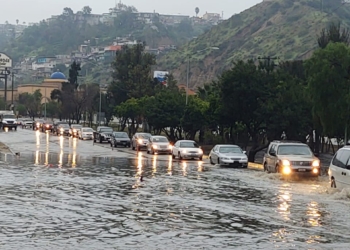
(64, 125)
(143, 136)
(121, 135)
(76, 126)
(87, 130)
(106, 130)
(39, 120)
(9, 116)
(225, 150)
(160, 139)
(294, 150)
(188, 145)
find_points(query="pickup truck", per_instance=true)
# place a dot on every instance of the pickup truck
(103, 134)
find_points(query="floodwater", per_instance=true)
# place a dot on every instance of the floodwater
(65, 201)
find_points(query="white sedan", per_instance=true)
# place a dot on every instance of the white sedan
(231, 155)
(86, 133)
(186, 149)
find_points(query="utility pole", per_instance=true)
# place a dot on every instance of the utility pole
(187, 78)
(12, 83)
(268, 59)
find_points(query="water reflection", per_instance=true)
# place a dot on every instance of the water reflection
(314, 214)
(61, 142)
(37, 137)
(154, 165)
(285, 199)
(184, 168)
(36, 157)
(170, 165)
(47, 158)
(200, 166)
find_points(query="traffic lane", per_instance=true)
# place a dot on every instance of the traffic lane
(29, 141)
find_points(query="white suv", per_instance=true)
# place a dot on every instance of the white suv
(288, 157)
(339, 169)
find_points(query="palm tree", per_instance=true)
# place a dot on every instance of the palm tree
(197, 11)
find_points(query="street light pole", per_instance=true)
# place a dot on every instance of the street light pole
(187, 77)
(12, 82)
(99, 114)
(45, 104)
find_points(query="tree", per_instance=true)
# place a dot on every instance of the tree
(68, 12)
(197, 11)
(130, 110)
(131, 75)
(17, 21)
(74, 73)
(328, 72)
(334, 33)
(32, 102)
(86, 10)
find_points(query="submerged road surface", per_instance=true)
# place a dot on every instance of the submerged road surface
(63, 193)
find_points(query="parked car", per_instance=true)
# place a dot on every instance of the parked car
(55, 126)
(158, 144)
(74, 128)
(231, 155)
(86, 133)
(139, 141)
(120, 139)
(339, 169)
(62, 129)
(290, 157)
(47, 126)
(187, 149)
(103, 134)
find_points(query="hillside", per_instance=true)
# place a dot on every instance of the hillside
(287, 29)
(66, 32)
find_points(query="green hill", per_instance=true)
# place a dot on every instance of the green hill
(287, 29)
(64, 34)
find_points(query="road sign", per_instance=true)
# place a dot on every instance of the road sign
(5, 61)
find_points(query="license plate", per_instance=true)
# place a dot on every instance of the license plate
(301, 169)
(193, 155)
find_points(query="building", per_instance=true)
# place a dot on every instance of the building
(44, 62)
(146, 17)
(173, 19)
(46, 87)
(212, 17)
(110, 51)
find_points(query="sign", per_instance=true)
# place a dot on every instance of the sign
(161, 76)
(5, 61)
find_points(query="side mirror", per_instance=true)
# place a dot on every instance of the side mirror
(244, 152)
(317, 154)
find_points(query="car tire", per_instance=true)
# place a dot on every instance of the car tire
(100, 140)
(333, 184)
(265, 168)
(219, 161)
(132, 147)
(147, 151)
(180, 157)
(173, 155)
(201, 158)
(211, 161)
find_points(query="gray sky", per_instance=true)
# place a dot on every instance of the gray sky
(36, 10)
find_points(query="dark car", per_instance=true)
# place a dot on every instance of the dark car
(120, 139)
(37, 124)
(62, 129)
(74, 129)
(140, 140)
(47, 126)
(55, 126)
(102, 134)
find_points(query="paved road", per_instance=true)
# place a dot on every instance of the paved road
(62, 193)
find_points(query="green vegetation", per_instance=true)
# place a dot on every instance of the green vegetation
(65, 33)
(286, 29)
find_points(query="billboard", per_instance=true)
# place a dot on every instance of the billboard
(161, 76)
(5, 61)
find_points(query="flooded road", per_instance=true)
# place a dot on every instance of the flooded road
(62, 193)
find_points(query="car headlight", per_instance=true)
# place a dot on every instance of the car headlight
(316, 163)
(155, 146)
(38, 124)
(286, 170)
(225, 158)
(315, 171)
(61, 129)
(170, 147)
(200, 151)
(286, 163)
(140, 141)
(184, 151)
(47, 125)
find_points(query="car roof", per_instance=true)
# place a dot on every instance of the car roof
(185, 141)
(288, 142)
(230, 145)
(157, 136)
(103, 127)
(86, 127)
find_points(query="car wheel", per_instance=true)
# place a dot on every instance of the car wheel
(100, 140)
(265, 168)
(219, 161)
(173, 155)
(333, 184)
(200, 158)
(211, 161)
(132, 147)
(180, 157)
(115, 145)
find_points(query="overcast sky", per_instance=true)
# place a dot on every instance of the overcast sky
(36, 10)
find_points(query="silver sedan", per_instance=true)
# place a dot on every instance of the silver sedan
(231, 155)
